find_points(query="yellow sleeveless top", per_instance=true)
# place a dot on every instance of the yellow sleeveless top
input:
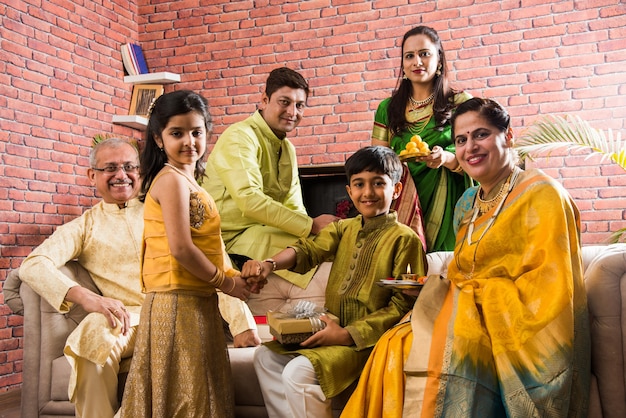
(160, 271)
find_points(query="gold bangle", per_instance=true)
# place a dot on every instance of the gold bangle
(271, 260)
(218, 278)
(458, 169)
(234, 284)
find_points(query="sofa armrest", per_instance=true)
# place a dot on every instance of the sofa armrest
(438, 262)
(11, 292)
(45, 333)
(605, 282)
(32, 348)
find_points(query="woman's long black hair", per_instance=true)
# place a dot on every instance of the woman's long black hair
(443, 102)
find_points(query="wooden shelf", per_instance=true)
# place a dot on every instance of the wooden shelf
(132, 121)
(152, 78)
(140, 122)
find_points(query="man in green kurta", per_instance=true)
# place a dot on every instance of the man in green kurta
(253, 176)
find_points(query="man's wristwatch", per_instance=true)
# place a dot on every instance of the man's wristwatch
(270, 260)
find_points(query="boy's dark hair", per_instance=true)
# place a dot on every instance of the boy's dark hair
(376, 159)
(283, 76)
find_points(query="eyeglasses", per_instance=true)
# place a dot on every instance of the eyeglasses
(111, 169)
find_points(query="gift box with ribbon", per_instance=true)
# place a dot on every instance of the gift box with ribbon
(298, 324)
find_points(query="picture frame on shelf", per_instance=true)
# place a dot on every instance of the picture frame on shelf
(143, 96)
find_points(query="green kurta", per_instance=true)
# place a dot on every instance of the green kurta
(438, 189)
(253, 177)
(363, 254)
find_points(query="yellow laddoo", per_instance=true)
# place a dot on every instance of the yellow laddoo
(415, 145)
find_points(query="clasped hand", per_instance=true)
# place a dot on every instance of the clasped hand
(255, 272)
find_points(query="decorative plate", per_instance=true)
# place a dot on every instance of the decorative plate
(410, 157)
(400, 284)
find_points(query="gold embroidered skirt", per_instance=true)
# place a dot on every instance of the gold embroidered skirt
(180, 365)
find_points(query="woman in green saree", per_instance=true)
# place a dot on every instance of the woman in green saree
(422, 104)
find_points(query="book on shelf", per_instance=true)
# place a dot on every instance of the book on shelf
(141, 60)
(127, 59)
(133, 59)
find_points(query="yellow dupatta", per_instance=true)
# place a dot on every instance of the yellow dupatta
(513, 339)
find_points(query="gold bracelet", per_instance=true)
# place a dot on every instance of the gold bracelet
(458, 169)
(271, 260)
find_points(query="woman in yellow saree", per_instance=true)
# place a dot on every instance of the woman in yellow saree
(506, 333)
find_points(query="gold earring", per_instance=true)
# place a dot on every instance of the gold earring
(509, 135)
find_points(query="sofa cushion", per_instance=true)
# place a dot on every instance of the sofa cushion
(60, 373)
(280, 295)
(11, 292)
(438, 262)
(244, 376)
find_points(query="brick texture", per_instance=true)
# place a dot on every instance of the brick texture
(61, 80)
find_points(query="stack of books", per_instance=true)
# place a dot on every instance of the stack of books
(133, 59)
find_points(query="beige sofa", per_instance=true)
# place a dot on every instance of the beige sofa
(46, 372)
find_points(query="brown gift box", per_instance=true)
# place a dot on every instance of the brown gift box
(289, 330)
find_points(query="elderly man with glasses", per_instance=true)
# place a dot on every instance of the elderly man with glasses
(106, 241)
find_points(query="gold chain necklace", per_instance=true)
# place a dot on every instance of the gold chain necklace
(418, 126)
(470, 228)
(485, 206)
(416, 104)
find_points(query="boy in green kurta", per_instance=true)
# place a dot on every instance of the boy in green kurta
(368, 248)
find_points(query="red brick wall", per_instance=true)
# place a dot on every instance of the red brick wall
(61, 79)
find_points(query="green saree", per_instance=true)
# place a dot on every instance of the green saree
(438, 189)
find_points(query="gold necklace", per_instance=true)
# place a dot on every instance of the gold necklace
(485, 206)
(470, 228)
(416, 104)
(418, 126)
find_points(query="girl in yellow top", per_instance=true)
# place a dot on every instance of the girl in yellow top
(180, 365)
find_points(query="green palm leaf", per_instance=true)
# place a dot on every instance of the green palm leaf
(617, 236)
(555, 132)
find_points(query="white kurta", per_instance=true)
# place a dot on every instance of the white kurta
(106, 241)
